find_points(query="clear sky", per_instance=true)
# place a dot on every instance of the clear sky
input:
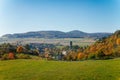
(17, 16)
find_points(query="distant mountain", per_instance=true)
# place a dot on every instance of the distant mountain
(76, 34)
(56, 34)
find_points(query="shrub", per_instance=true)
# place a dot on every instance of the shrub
(80, 56)
(115, 54)
(11, 56)
(23, 56)
(100, 55)
(108, 57)
(19, 49)
(118, 41)
(91, 56)
(71, 56)
(68, 57)
(64, 57)
(5, 57)
(50, 58)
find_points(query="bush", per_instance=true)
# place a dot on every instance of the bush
(22, 56)
(80, 56)
(72, 56)
(108, 57)
(50, 58)
(91, 56)
(116, 54)
(68, 57)
(100, 55)
(5, 57)
(11, 56)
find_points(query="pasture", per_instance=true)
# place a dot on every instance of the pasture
(22, 69)
(55, 41)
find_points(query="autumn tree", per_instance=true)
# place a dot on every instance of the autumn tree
(118, 41)
(20, 49)
(11, 55)
(80, 56)
(72, 55)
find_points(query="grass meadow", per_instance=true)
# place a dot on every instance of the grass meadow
(30, 69)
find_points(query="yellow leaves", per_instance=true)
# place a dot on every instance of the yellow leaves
(92, 48)
(118, 41)
(80, 56)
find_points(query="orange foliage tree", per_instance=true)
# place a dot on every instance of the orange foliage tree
(80, 56)
(11, 56)
(19, 49)
(118, 41)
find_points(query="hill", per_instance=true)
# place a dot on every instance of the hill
(106, 47)
(56, 34)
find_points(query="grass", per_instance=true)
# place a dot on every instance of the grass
(60, 70)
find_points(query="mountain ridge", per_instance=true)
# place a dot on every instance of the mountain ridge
(57, 34)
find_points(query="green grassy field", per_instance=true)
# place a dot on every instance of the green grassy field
(60, 70)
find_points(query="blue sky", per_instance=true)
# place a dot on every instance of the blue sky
(17, 16)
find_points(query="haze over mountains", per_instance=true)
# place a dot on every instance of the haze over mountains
(56, 34)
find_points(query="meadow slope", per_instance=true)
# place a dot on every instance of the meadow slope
(60, 70)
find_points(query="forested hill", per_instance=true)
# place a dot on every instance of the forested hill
(106, 47)
(56, 34)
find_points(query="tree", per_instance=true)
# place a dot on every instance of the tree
(11, 55)
(6, 48)
(72, 55)
(118, 41)
(20, 49)
(27, 46)
(80, 56)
